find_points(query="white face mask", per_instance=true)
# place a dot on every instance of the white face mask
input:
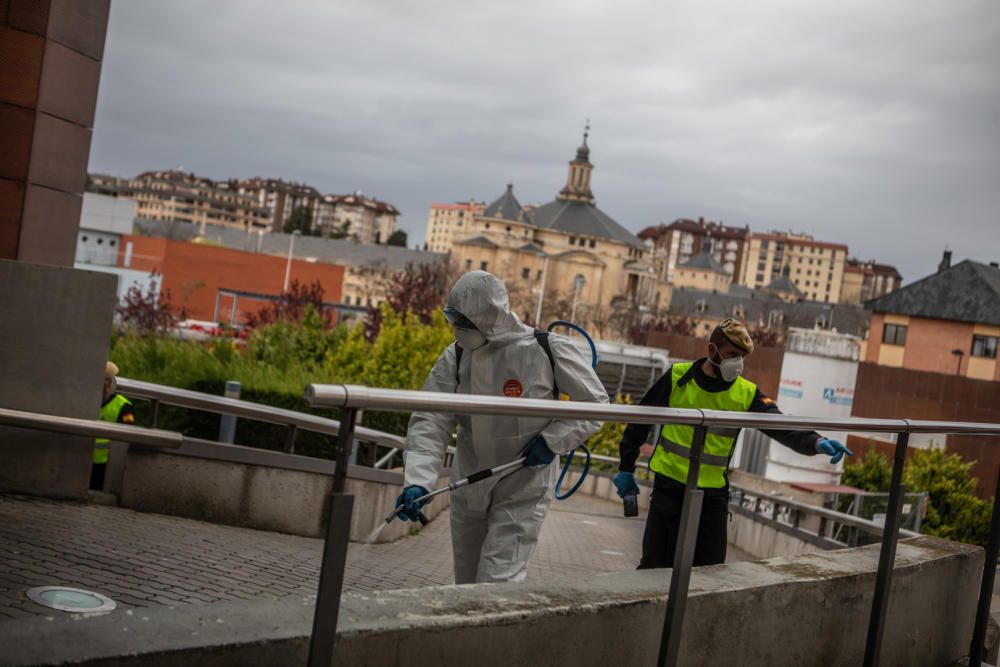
(469, 339)
(730, 368)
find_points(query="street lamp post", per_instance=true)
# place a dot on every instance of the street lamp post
(578, 284)
(288, 263)
(541, 291)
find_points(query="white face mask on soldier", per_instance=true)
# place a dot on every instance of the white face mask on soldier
(469, 339)
(730, 368)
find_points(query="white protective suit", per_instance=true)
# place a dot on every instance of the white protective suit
(495, 522)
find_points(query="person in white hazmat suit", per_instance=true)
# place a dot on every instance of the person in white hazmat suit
(495, 522)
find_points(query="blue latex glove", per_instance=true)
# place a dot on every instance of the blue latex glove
(411, 509)
(537, 453)
(832, 448)
(625, 483)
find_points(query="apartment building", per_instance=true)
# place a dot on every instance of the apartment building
(867, 280)
(815, 267)
(178, 196)
(683, 239)
(280, 198)
(446, 222)
(361, 218)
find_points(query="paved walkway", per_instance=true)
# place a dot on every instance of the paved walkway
(141, 559)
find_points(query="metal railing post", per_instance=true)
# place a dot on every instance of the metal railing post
(986, 588)
(290, 432)
(887, 555)
(680, 576)
(338, 532)
(227, 423)
(154, 410)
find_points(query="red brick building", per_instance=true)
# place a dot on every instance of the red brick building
(194, 273)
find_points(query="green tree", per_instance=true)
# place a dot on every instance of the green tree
(299, 219)
(953, 509)
(605, 442)
(397, 238)
(872, 473)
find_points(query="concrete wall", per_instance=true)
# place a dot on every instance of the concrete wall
(242, 486)
(807, 610)
(55, 332)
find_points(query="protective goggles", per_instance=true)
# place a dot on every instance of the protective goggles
(457, 319)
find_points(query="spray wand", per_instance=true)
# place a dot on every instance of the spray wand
(471, 479)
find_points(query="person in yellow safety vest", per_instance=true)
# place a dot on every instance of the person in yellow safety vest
(114, 408)
(713, 382)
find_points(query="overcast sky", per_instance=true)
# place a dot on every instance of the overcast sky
(875, 124)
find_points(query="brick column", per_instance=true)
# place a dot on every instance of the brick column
(50, 66)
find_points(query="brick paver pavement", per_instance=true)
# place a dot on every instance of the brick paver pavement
(141, 559)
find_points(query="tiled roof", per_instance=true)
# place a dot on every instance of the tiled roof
(966, 292)
(577, 217)
(505, 207)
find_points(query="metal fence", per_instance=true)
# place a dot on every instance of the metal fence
(353, 398)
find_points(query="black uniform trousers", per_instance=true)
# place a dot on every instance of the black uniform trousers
(664, 520)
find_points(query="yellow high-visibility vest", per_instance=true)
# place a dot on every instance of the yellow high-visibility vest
(109, 413)
(671, 455)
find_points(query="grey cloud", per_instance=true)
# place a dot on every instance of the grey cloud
(874, 124)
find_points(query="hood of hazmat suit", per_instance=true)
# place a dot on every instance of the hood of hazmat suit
(495, 522)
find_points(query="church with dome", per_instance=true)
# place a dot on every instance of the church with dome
(580, 259)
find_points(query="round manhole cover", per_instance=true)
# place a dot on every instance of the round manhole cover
(64, 598)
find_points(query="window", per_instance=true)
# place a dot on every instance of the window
(482, 266)
(761, 266)
(468, 265)
(538, 276)
(487, 225)
(760, 277)
(525, 273)
(357, 301)
(894, 334)
(701, 306)
(593, 243)
(984, 346)
(763, 245)
(572, 240)
(508, 229)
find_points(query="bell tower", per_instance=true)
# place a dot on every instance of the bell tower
(578, 181)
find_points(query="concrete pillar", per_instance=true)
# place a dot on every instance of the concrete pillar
(55, 333)
(50, 65)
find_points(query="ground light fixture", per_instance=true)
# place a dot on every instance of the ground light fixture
(65, 598)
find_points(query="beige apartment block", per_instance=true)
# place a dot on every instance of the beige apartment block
(177, 196)
(815, 267)
(682, 240)
(447, 223)
(867, 280)
(280, 197)
(584, 262)
(365, 219)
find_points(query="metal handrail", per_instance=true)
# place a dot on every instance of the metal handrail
(186, 398)
(92, 428)
(406, 400)
(353, 398)
(826, 513)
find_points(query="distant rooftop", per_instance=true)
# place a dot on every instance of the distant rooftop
(334, 251)
(966, 292)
